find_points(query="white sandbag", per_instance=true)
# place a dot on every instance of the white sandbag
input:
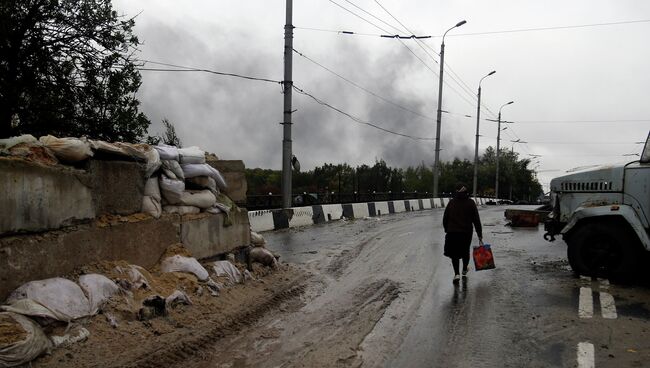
(151, 206)
(23, 351)
(116, 149)
(172, 169)
(200, 199)
(135, 276)
(77, 334)
(257, 239)
(151, 156)
(181, 210)
(167, 152)
(28, 307)
(10, 142)
(99, 289)
(171, 189)
(194, 170)
(152, 188)
(61, 296)
(68, 149)
(179, 263)
(191, 155)
(227, 269)
(263, 256)
(176, 298)
(151, 199)
(214, 210)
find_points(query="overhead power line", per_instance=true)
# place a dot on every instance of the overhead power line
(180, 68)
(582, 121)
(359, 120)
(363, 88)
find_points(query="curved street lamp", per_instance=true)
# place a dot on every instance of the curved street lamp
(496, 186)
(436, 161)
(478, 119)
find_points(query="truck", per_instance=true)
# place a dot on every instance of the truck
(603, 215)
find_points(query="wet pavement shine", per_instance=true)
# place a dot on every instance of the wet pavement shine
(381, 295)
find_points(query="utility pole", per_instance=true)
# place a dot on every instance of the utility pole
(436, 162)
(287, 85)
(478, 120)
(496, 185)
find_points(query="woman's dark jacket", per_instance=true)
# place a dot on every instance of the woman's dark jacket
(460, 214)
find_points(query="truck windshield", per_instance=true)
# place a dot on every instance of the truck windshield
(645, 156)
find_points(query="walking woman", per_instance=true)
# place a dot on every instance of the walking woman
(460, 214)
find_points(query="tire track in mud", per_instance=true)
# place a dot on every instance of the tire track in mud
(203, 337)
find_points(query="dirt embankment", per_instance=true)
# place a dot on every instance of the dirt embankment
(185, 331)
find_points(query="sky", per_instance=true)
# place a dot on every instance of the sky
(580, 93)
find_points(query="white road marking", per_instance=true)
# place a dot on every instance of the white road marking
(604, 283)
(586, 355)
(586, 303)
(607, 305)
(585, 278)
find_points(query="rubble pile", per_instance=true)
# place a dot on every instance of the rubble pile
(43, 315)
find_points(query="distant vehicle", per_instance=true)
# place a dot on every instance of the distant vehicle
(505, 201)
(603, 215)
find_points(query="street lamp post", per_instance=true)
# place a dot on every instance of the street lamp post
(496, 185)
(478, 119)
(436, 162)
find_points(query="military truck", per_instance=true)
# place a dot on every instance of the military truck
(603, 215)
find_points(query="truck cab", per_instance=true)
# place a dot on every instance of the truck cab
(603, 215)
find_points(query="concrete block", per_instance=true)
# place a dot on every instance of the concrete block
(261, 220)
(206, 236)
(302, 216)
(332, 212)
(382, 208)
(117, 186)
(399, 206)
(56, 253)
(37, 198)
(360, 210)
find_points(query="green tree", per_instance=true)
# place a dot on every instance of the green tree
(67, 68)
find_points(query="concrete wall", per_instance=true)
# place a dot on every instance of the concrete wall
(26, 257)
(37, 198)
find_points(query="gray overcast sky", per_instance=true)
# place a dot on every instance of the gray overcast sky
(578, 74)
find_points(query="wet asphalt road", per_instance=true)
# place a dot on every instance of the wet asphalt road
(382, 296)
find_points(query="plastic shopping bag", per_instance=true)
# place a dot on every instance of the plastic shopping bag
(483, 258)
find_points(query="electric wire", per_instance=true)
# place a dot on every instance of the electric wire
(363, 88)
(357, 119)
(191, 69)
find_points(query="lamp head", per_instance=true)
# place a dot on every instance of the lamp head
(492, 72)
(461, 23)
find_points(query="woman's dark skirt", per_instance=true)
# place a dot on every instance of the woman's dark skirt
(457, 244)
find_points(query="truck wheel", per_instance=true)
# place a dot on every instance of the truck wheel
(599, 250)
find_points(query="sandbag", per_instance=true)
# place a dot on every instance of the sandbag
(167, 152)
(172, 169)
(99, 289)
(117, 149)
(227, 269)
(171, 189)
(77, 334)
(191, 155)
(135, 276)
(214, 210)
(181, 210)
(151, 188)
(263, 256)
(62, 297)
(179, 263)
(13, 141)
(200, 199)
(27, 343)
(151, 155)
(68, 149)
(194, 170)
(176, 298)
(257, 239)
(35, 152)
(151, 206)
